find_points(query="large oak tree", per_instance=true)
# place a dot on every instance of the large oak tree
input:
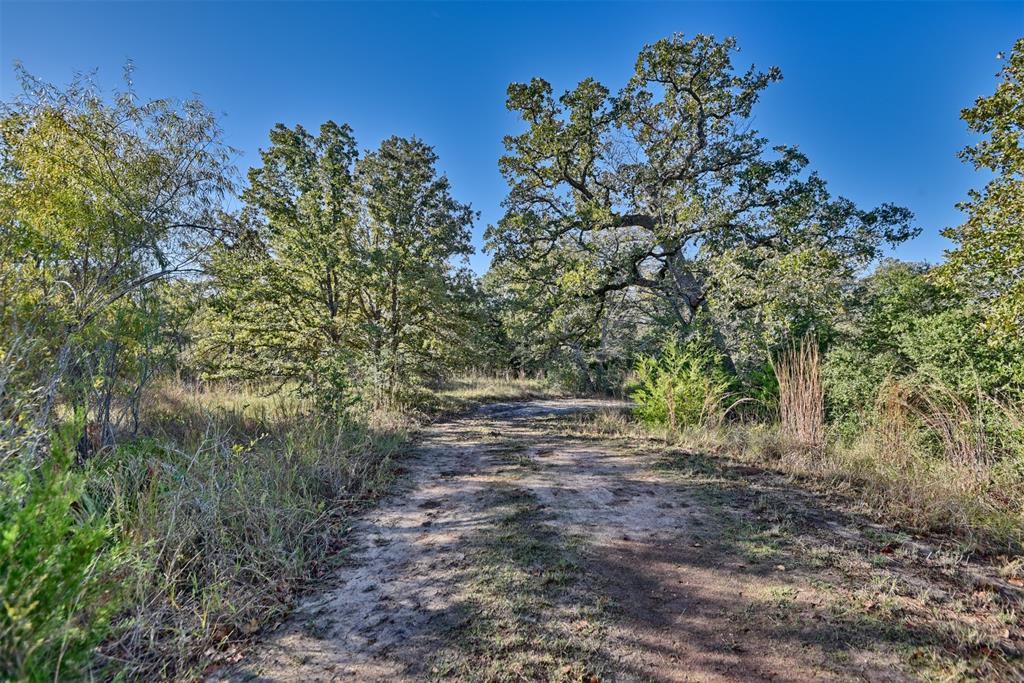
(663, 193)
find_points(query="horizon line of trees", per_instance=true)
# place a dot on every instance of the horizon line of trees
(633, 216)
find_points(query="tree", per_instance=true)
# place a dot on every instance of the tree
(410, 300)
(653, 188)
(284, 289)
(987, 265)
(100, 199)
(344, 284)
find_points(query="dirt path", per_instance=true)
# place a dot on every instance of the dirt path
(523, 547)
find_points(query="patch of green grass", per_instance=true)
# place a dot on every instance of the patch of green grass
(755, 541)
(779, 597)
(468, 391)
(753, 551)
(822, 557)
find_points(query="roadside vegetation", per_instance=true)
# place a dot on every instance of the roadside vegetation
(203, 376)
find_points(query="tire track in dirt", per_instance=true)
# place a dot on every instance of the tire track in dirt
(391, 605)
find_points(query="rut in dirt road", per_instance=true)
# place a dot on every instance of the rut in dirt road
(522, 548)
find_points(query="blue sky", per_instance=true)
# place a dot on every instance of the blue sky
(871, 91)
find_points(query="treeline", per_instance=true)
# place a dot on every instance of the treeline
(200, 373)
(339, 277)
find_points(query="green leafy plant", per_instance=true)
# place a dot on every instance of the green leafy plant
(56, 555)
(685, 384)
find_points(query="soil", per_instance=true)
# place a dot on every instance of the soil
(521, 546)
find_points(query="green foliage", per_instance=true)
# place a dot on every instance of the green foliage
(281, 291)
(952, 347)
(987, 265)
(413, 300)
(761, 387)
(345, 283)
(900, 324)
(684, 385)
(662, 200)
(102, 198)
(56, 556)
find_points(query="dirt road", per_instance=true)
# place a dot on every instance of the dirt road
(523, 546)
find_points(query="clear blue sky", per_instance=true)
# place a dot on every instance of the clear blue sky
(871, 92)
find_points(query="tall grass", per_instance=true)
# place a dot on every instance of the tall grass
(801, 395)
(924, 460)
(204, 530)
(230, 506)
(935, 460)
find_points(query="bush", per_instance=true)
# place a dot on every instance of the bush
(935, 461)
(761, 392)
(902, 326)
(56, 558)
(953, 348)
(684, 385)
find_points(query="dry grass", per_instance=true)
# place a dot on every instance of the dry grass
(801, 395)
(972, 434)
(233, 500)
(231, 505)
(982, 505)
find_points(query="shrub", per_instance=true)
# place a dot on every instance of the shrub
(902, 326)
(852, 381)
(953, 348)
(56, 555)
(760, 394)
(930, 416)
(685, 384)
